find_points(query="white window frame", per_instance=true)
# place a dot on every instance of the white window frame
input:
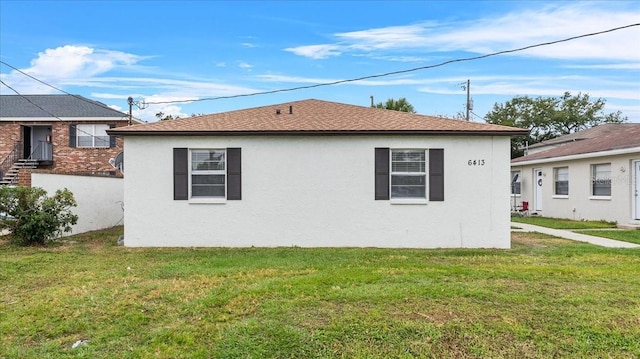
(518, 181)
(218, 172)
(556, 179)
(92, 131)
(598, 173)
(423, 174)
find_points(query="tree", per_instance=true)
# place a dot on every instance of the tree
(550, 117)
(162, 117)
(32, 216)
(400, 105)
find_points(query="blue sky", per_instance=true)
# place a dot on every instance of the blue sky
(184, 50)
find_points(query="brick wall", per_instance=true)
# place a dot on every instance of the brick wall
(9, 134)
(24, 177)
(65, 159)
(68, 159)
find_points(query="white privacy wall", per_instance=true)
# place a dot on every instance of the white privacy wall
(318, 191)
(99, 199)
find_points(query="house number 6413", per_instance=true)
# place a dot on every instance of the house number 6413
(475, 162)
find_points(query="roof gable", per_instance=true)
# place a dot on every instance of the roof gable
(606, 137)
(313, 116)
(22, 106)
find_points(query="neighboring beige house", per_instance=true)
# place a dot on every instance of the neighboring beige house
(317, 174)
(593, 174)
(58, 133)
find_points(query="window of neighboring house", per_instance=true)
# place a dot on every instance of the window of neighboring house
(92, 135)
(408, 174)
(208, 173)
(601, 179)
(515, 182)
(561, 178)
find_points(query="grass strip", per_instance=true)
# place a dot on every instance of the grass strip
(632, 236)
(545, 297)
(559, 223)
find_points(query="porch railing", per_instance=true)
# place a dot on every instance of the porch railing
(12, 157)
(42, 152)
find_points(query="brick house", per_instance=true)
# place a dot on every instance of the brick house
(56, 133)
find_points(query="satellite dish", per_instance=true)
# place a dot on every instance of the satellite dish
(118, 162)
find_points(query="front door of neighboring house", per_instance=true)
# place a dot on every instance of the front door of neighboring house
(636, 166)
(537, 185)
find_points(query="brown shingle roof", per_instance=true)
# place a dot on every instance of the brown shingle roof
(607, 137)
(314, 117)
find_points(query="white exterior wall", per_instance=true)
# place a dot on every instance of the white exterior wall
(318, 191)
(99, 199)
(580, 204)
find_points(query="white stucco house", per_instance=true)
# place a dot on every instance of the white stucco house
(313, 173)
(592, 174)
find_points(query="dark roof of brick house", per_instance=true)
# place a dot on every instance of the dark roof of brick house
(606, 137)
(22, 106)
(314, 117)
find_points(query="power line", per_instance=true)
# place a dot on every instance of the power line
(473, 58)
(55, 88)
(401, 71)
(41, 108)
(473, 113)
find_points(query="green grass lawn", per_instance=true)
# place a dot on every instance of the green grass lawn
(559, 223)
(632, 236)
(546, 297)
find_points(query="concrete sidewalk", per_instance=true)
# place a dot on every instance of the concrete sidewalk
(574, 236)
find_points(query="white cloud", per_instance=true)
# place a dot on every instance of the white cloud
(626, 66)
(244, 65)
(294, 79)
(498, 33)
(385, 38)
(316, 51)
(72, 61)
(67, 65)
(146, 108)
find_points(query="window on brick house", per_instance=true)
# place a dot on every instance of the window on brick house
(92, 135)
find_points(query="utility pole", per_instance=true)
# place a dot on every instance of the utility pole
(130, 101)
(139, 104)
(468, 106)
(468, 98)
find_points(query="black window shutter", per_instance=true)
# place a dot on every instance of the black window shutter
(72, 135)
(436, 174)
(180, 174)
(382, 174)
(112, 139)
(234, 174)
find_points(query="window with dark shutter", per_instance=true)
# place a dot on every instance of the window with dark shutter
(436, 174)
(234, 174)
(382, 173)
(180, 174)
(112, 139)
(72, 136)
(408, 174)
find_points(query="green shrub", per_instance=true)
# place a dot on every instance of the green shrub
(33, 217)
